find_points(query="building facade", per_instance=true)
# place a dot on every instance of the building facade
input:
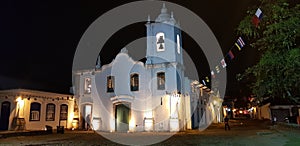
(23, 109)
(128, 95)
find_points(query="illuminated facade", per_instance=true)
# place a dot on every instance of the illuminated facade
(128, 95)
(23, 109)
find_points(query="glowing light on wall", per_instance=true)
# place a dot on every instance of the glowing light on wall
(20, 102)
(20, 106)
(112, 124)
(148, 124)
(132, 124)
(215, 102)
(70, 119)
(96, 124)
(167, 101)
(174, 125)
(75, 123)
(148, 114)
(225, 111)
(175, 102)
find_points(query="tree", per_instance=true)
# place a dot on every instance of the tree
(277, 73)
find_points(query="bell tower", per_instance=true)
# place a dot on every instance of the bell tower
(164, 53)
(163, 39)
(165, 65)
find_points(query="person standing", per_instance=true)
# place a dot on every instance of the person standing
(88, 122)
(226, 120)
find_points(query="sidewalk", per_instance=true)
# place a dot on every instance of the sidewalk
(10, 133)
(5, 134)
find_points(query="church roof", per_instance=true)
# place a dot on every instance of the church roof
(165, 17)
(31, 92)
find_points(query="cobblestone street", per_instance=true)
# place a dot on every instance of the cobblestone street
(243, 132)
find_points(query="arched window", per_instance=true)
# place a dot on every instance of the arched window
(50, 112)
(35, 109)
(178, 44)
(160, 41)
(110, 83)
(161, 81)
(134, 82)
(87, 86)
(63, 112)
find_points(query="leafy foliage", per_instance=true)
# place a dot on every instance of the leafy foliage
(277, 74)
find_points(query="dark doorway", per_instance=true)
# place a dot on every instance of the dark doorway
(87, 115)
(280, 114)
(122, 117)
(5, 112)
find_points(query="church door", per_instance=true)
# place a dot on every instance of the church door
(87, 115)
(122, 117)
(5, 112)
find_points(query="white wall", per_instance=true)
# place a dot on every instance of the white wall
(24, 112)
(146, 100)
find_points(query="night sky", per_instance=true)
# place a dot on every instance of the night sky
(39, 39)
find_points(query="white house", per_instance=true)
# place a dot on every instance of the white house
(128, 95)
(23, 109)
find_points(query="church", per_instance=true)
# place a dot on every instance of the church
(132, 96)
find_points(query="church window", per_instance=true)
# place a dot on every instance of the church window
(178, 44)
(35, 109)
(63, 112)
(110, 84)
(87, 86)
(50, 112)
(134, 82)
(160, 42)
(161, 81)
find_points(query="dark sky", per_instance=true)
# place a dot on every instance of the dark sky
(39, 39)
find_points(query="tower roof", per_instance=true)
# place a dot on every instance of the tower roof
(164, 17)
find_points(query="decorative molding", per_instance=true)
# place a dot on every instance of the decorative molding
(122, 98)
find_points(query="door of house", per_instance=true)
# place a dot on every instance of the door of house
(122, 118)
(4, 117)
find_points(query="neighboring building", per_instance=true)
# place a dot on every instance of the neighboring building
(263, 112)
(283, 109)
(206, 106)
(128, 95)
(23, 109)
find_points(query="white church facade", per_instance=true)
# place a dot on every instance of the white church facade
(128, 95)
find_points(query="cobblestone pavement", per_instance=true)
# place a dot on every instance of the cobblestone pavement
(242, 133)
